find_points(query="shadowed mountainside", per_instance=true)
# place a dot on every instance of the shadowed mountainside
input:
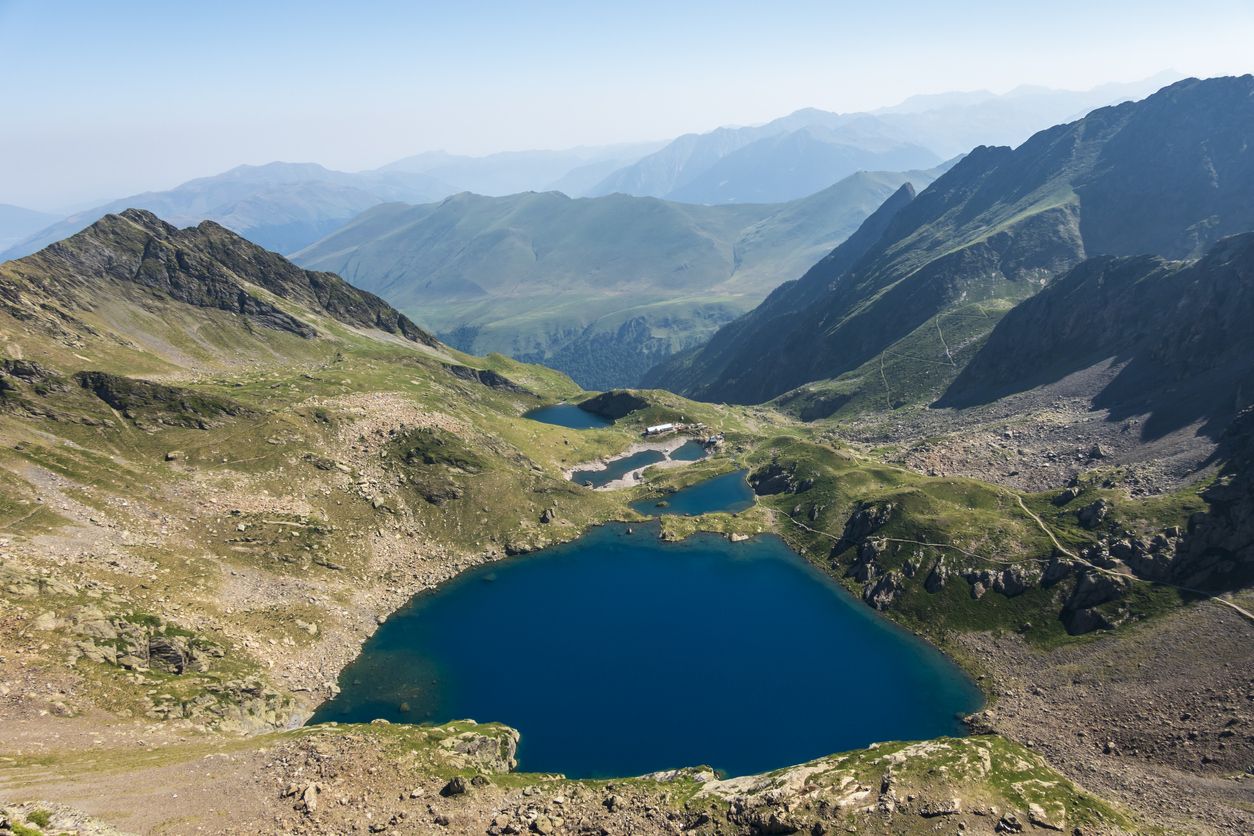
(898, 319)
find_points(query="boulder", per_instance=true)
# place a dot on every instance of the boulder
(169, 654)
(1093, 514)
(773, 479)
(1079, 622)
(456, 786)
(884, 592)
(1066, 496)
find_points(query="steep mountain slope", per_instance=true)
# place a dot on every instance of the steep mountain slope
(762, 162)
(135, 277)
(281, 206)
(1168, 176)
(1178, 332)
(599, 288)
(17, 223)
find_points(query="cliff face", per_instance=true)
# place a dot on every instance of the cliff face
(1217, 552)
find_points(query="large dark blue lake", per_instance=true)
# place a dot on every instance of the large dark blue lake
(568, 415)
(620, 654)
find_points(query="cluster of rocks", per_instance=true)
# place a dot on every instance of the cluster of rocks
(138, 642)
(37, 818)
(776, 478)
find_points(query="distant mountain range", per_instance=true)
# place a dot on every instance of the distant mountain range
(805, 151)
(281, 206)
(287, 206)
(571, 171)
(600, 288)
(893, 315)
(17, 223)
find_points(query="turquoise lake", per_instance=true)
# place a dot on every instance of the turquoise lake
(620, 654)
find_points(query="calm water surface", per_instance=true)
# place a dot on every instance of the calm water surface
(689, 451)
(617, 468)
(620, 654)
(729, 492)
(567, 415)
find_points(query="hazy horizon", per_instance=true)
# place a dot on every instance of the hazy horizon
(104, 101)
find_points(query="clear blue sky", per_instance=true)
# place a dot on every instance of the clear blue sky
(101, 98)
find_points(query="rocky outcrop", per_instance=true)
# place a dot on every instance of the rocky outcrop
(139, 642)
(1217, 551)
(866, 519)
(1094, 514)
(615, 404)
(150, 405)
(137, 256)
(774, 478)
(486, 377)
(883, 593)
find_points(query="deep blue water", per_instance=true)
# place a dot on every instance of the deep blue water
(689, 451)
(567, 415)
(620, 654)
(729, 492)
(617, 468)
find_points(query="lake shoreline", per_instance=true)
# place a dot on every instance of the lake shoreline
(706, 567)
(632, 477)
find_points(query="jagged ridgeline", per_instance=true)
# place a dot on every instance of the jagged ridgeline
(895, 313)
(128, 277)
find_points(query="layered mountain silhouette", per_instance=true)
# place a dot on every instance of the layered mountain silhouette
(805, 151)
(281, 206)
(17, 222)
(601, 288)
(899, 308)
(570, 170)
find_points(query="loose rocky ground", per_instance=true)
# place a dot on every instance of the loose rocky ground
(1037, 440)
(456, 779)
(1160, 716)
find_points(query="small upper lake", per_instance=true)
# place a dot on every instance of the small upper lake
(729, 492)
(568, 415)
(620, 654)
(689, 451)
(617, 468)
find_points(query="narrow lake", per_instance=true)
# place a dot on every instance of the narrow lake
(620, 654)
(729, 492)
(617, 468)
(567, 415)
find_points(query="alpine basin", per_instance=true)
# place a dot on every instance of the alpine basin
(620, 654)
